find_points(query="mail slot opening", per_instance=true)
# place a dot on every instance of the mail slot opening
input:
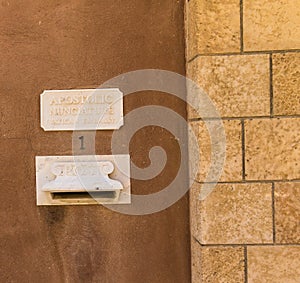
(84, 195)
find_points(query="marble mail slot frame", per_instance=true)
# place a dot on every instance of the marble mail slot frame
(84, 179)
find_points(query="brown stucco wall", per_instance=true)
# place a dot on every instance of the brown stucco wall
(77, 44)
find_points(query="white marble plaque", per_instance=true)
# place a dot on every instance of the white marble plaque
(84, 179)
(81, 109)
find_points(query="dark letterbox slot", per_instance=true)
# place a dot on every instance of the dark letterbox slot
(83, 195)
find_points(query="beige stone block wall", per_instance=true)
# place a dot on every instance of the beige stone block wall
(232, 170)
(271, 25)
(276, 264)
(272, 149)
(286, 83)
(214, 27)
(246, 55)
(241, 81)
(287, 212)
(236, 213)
(217, 264)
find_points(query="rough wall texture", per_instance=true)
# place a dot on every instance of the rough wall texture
(77, 44)
(245, 55)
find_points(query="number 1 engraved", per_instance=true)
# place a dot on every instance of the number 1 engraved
(82, 143)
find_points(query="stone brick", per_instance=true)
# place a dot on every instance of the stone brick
(239, 86)
(213, 26)
(272, 149)
(232, 169)
(271, 25)
(235, 214)
(287, 212)
(276, 264)
(286, 83)
(217, 264)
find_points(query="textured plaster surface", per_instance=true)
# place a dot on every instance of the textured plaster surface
(71, 45)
